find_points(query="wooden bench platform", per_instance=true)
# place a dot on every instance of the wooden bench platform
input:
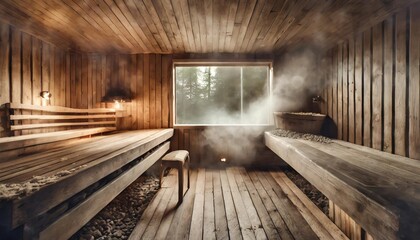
(234, 203)
(52, 190)
(84, 163)
(380, 191)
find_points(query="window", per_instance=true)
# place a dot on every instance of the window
(222, 94)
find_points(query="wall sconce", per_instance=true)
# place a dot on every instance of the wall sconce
(46, 95)
(117, 96)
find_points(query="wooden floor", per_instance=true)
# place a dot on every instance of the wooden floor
(234, 203)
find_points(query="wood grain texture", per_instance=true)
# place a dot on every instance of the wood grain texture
(359, 185)
(383, 87)
(184, 26)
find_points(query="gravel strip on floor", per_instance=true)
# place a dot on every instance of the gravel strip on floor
(319, 199)
(118, 219)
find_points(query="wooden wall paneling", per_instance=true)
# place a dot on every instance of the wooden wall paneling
(181, 142)
(351, 126)
(46, 69)
(140, 92)
(345, 94)
(388, 84)
(339, 80)
(4, 63)
(89, 80)
(36, 74)
(377, 84)
(330, 83)
(73, 89)
(358, 88)
(414, 87)
(78, 82)
(56, 91)
(132, 73)
(26, 75)
(166, 72)
(104, 80)
(146, 91)
(400, 84)
(367, 88)
(95, 80)
(84, 80)
(64, 73)
(16, 77)
(52, 101)
(4, 73)
(158, 91)
(123, 82)
(152, 90)
(67, 79)
(334, 88)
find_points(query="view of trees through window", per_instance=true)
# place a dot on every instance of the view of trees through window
(207, 95)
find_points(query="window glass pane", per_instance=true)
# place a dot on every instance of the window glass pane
(209, 95)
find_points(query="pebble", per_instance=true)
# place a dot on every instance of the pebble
(306, 136)
(118, 219)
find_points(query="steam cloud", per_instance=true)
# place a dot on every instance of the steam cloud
(296, 80)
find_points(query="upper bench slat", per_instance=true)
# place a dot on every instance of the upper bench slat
(59, 109)
(60, 117)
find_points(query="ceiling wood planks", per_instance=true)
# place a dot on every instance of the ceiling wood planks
(194, 26)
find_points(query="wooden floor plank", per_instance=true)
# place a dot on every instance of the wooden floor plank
(249, 206)
(266, 223)
(271, 209)
(198, 210)
(290, 214)
(169, 214)
(244, 222)
(317, 220)
(209, 221)
(147, 215)
(154, 224)
(231, 216)
(186, 209)
(219, 207)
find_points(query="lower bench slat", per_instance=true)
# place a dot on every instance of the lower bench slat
(73, 220)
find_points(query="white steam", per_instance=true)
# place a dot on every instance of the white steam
(297, 78)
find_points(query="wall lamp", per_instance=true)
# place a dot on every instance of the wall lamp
(46, 95)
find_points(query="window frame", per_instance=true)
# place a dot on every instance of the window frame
(195, 62)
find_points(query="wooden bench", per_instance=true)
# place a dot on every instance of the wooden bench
(74, 180)
(380, 191)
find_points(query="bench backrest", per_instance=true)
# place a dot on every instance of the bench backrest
(55, 118)
(29, 125)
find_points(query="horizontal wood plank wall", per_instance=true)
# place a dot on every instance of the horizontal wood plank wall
(29, 66)
(378, 94)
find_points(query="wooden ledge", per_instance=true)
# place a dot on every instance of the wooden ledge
(380, 191)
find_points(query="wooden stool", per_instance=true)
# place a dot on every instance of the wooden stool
(177, 159)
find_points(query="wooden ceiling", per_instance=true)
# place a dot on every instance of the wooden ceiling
(193, 26)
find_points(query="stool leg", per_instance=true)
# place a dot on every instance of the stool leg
(180, 184)
(188, 170)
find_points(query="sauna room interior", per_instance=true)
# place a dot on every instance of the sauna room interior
(210, 119)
